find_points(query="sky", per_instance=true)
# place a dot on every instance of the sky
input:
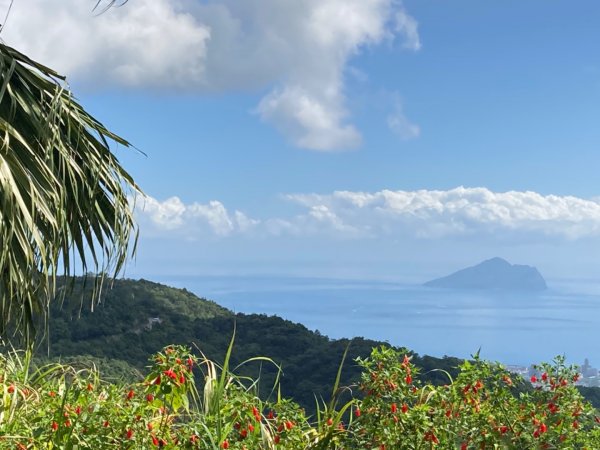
(366, 139)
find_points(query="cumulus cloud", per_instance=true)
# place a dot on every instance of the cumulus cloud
(172, 217)
(310, 122)
(299, 49)
(424, 214)
(146, 43)
(461, 211)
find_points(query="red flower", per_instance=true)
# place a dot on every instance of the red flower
(90, 387)
(54, 426)
(244, 433)
(154, 441)
(129, 433)
(533, 379)
(130, 394)
(256, 413)
(190, 363)
(357, 412)
(171, 374)
(251, 427)
(330, 421)
(394, 408)
(181, 379)
(503, 429)
(157, 381)
(193, 438)
(404, 408)
(543, 428)
(11, 389)
(149, 398)
(408, 379)
(463, 446)
(276, 439)
(225, 444)
(544, 376)
(289, 425)
(106, 424)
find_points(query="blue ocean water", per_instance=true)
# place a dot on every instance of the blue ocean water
(513, 328)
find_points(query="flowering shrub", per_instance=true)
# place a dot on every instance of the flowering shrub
(58, 407)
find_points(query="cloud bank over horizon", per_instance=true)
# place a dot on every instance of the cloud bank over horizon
(295, 51)
(347, 215)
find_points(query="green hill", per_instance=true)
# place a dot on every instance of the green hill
(137, 318)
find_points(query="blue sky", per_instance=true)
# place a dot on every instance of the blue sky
(332, 137)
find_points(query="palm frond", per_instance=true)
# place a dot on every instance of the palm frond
(65, 200)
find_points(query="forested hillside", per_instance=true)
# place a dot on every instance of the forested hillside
(137, 318)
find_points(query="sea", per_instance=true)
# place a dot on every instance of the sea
(514, 328)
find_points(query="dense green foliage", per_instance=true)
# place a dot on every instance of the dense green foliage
(121, 328)
(119, 333)
(65, 200)
(186, 402)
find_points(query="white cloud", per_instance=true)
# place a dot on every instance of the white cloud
(423, 214)
(310, 122)
(299, 49)
(145, 43)
(172, 217)
(408, 26)
(460, 211)
(399, 123)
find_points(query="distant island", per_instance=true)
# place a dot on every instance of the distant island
(496, 274)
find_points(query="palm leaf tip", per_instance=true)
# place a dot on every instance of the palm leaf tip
(65, 200)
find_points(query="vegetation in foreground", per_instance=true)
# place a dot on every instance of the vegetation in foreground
(188, 402)
(119, 336)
